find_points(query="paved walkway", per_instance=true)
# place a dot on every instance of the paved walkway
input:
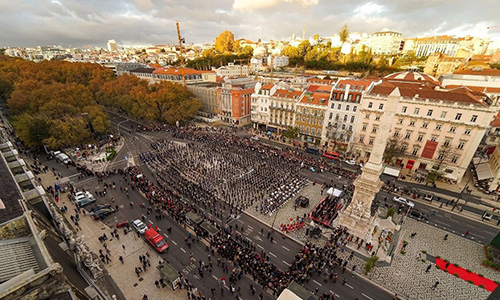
(124, 275)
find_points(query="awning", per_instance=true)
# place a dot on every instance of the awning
(334, 192)
(392, 171)
(451, 176)
(483, 171)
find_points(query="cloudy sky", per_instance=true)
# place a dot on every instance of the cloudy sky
(82, 23)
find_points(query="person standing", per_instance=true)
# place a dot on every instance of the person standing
(435, 285)
(428, 268)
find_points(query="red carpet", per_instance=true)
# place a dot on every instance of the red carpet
(488, 284)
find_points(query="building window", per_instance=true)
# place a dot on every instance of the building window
(438, 126)
(412, 122)
(396, 132)
(433, 138)
(453, 128)
(416, 111)
(370, 104)
(339, 106)
(443, 114)
(403, 110)
(473, 119)
(403, 148)
(350, 127)
(441, 156)
(334, 96)
(374, 129)
(447, 142)
(420, 137)
(364, 127)
(371, 141)
(425, 124)
(429, 113)
(454, 159)
(400, 121)
(467, 131)
(347, 107)
(357, 98)
(458, 116)
(341, 98)
(361, 138)
(333, 105)
(415, 151)
(352, 119)
(354, 108)
(330, 116)
(381, 106)
(367, 116)
(319, 131)
(313, 130)
(377, 117)
(343, 126)
(408, 135)
(461, 145)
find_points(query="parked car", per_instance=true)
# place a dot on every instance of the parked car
(418, 214)
(429, 197)
(99, 207)
(139, 226)
(351, 162)
(403, 201)
(102, 213)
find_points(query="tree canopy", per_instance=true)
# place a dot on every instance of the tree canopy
(224, 42)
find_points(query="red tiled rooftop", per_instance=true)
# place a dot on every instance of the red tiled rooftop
(461, 94)
(315, 99)
(177, 71)
(358, 83)
(484, 72)
(481, 89)
(267, 86)
(287, 94)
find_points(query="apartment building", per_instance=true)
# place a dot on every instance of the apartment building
(436, 128)
(445, 44)
(234, 98)
(282, 109)
(342, 113)
(310, 114)
(386, 42)
(438, 64)
(260, 101)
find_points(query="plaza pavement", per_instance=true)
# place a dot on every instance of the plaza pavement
(406, 275)
(124, 275)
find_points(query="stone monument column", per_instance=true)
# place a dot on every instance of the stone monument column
(356, 217)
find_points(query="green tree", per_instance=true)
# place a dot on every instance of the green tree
(393, 149)
(32, 130)
(224, 42)
(291, 133)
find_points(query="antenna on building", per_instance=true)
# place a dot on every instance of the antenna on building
(181, 40)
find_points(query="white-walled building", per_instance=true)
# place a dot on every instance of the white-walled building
(386, 42)
(279, 61)
(438, 128)
(260, 101)
(343, 114)
(232, 70)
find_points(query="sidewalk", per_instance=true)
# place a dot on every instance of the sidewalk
(129, 246)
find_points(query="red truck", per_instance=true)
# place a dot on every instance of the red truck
(156, 240)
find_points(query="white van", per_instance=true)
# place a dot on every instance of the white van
(62, 157)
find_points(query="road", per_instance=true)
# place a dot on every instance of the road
(281, 251)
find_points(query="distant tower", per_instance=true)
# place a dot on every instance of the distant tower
(293, 36)
(112, 46)
(304, 33)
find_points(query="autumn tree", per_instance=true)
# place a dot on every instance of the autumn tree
(224, 42)
(393, 149)
(344, 34)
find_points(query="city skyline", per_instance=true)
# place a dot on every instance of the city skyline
(148, 22)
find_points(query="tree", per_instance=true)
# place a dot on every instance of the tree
(291, 133)
(32, 130)
(344, 34)
(224, 42)
(393, 149)
(445, 153)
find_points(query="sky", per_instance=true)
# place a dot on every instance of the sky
(86, 23)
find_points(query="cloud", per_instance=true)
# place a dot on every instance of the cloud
(93, 22)
(253, 5)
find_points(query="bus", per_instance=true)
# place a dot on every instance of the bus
(331, 155)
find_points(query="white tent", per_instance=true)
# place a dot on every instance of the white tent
(334, 192)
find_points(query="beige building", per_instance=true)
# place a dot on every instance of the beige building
(437, 129)
(445, 44)
(310, 114)
(386, 42)
(207, 94)
(438, 64)
(282, 109)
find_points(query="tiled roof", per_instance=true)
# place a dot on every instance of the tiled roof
(481, 89)
(315, 99)
(484, 72)
(461, 95)
(355, 84)
(412, 76)
(320, 81)
(287, 94)
(496, 121)
(177, 71)
(267, 86)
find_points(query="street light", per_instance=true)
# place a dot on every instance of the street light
(118, 125)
